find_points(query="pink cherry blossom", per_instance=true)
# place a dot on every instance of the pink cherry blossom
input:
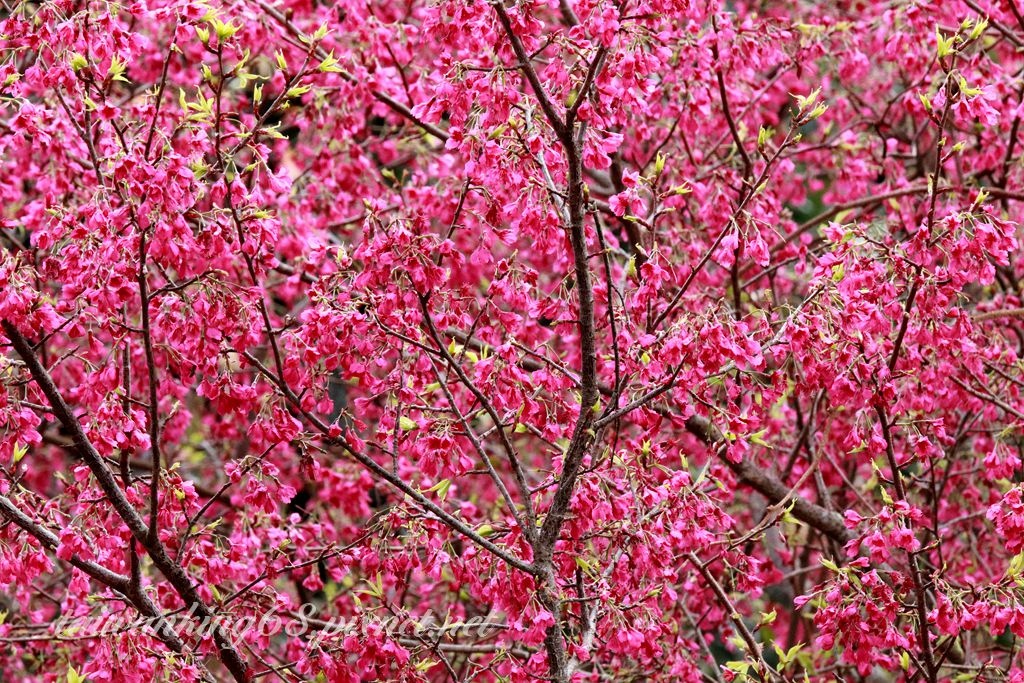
(511, 341)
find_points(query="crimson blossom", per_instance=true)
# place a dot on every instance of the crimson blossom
(659, 340)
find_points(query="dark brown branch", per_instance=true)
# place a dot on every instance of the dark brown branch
(829, 523)
(153, 413)
(583, 434)
(49, 541)
(173, 572)
(117, 582)
(753, 647)
(526, 66)
(748, 166)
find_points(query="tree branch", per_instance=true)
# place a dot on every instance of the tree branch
(173, 572)
(829, 523)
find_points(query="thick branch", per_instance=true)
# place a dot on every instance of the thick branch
(49, 541)
(173, 572)
(829, 523)
(526, 66)
(117, 582)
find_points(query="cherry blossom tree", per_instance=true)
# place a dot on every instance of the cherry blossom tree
(672, 340)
